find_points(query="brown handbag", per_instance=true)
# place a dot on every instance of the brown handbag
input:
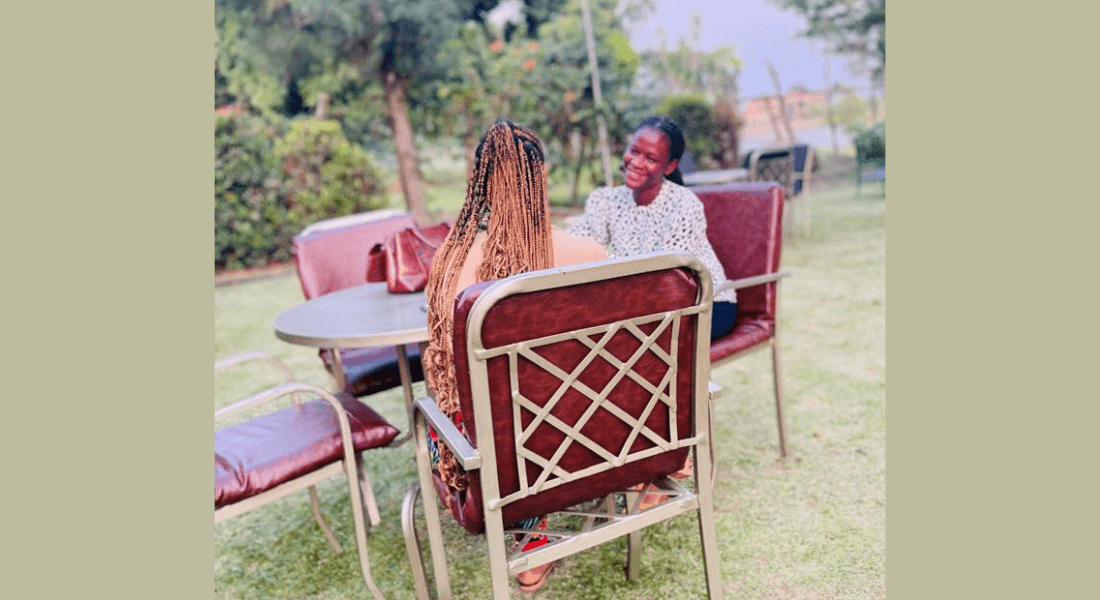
(404, 258)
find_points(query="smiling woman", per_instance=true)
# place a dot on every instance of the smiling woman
(654, 212)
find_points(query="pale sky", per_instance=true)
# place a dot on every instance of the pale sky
(757, 31)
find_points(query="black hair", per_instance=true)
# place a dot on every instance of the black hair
(675, 138)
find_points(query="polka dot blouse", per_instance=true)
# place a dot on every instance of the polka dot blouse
(673, 221)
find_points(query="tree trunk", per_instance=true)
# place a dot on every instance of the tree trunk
(782, 101)
(323, 100)
(771, 117)
(577, 174)
(829, 105)
(408, 168)
(408, 161)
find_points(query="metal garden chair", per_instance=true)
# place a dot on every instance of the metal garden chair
(576, 384)
(263, 458)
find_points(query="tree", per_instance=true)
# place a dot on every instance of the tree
(856, 28)
(686, 71)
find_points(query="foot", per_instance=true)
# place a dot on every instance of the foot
(532, 579)
(650, 500)
(685, 471)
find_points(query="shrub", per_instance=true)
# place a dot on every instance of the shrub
(271, 180)
(696, 119)
(249, 212)
(871, 142)
(326, 175)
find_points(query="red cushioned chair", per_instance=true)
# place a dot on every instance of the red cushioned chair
(744, 225)
(332, 255)
(262, 459)
(575, 384)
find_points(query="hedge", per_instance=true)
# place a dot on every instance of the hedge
(273, 177)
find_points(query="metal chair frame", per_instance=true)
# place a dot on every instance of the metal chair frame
(603, 519)
(351, 464)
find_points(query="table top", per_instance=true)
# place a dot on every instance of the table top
(721, 176)
(364, 315)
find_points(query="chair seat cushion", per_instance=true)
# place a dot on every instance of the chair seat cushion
(374, 369)
(748, 332)
(259, 454)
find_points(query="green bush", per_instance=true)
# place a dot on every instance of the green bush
(249, 211)
(326, 175)
(272, 179)
(696, 119)
(871, 143)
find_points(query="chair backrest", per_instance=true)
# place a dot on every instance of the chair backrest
(580, 380)
(744, 225)
(334, 258)
(775, 164)
(803, 156)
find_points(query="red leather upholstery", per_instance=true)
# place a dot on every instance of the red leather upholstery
(539, 314)
(335, 259)
(332, 260)
(256, 455)
(744, 225)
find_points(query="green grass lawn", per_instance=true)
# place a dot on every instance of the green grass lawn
(812, 526)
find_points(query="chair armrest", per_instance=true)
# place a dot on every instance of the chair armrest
(245, 357)
(449, 434)
(275, 393)
(744, 282)
(714, 390)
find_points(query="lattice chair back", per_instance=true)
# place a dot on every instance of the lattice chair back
(578, 382)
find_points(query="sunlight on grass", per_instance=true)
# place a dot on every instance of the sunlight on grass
(812, 526)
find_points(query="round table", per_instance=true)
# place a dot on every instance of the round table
(364, 315)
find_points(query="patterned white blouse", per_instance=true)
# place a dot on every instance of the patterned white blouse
(673, 221)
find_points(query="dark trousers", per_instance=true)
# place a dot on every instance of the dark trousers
(723, 318)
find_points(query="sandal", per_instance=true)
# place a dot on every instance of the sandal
(532, 579)
(685, 471)
(650, 500)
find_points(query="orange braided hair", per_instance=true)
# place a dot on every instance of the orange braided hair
(507, 195)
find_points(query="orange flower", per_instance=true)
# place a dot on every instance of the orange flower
(497, 45)
(529, 64)
(533, 46)
(569, 96)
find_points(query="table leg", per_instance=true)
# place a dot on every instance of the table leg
(406, 385)
(339, 378)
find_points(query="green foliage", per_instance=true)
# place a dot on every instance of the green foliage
(856, 29)
(326, 176)
(696, 119)
(871, 142)
(249, 210)
(271, 180)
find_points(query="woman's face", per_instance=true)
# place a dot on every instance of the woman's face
(645, 162)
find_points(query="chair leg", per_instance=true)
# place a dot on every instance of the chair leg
(778, 378)
(498, 555)
(704, 487)
(633, 554)
(316, 508)
(412, 543)
(431, 511)
(360, 527)
(368, 494)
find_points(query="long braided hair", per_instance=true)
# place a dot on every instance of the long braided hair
(506, 196)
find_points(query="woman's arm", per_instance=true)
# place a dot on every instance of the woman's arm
(593, 222)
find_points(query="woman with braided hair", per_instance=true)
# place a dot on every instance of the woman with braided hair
(502, 229)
